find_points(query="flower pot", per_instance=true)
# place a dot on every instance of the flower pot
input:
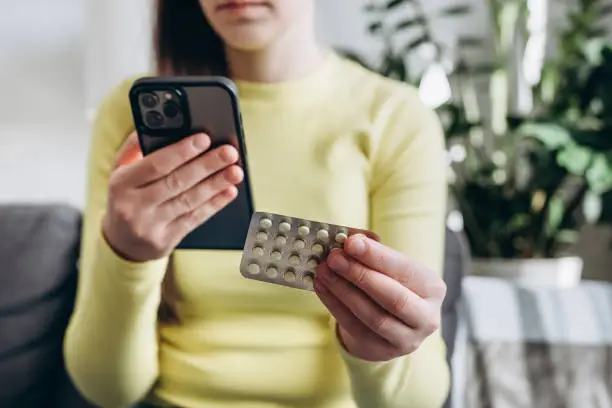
(555, 272)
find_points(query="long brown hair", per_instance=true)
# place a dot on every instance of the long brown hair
(185, 42)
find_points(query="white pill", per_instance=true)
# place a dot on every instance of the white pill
(284, 227)
(272, 272)
(258, 251)
(312, 263)
(289, 276)
(341, 237)
(294, 260)
(253, 269)
(317, 249)
(303, 230)
(323, 234)
(276, 256)
(261, 236)
(280, 240)
(299, 244)
(308, 281)
(265, 223)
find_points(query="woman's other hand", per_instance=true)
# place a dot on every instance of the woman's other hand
(155, 201)
(385, 305)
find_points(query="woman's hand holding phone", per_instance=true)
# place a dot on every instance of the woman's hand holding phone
(155, 201)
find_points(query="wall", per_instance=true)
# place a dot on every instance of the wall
(57, 60)
(118, 44)
(42, 128)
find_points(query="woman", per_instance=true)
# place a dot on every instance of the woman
(327, 140)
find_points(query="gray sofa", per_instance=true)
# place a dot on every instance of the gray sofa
(39, 247)
(38, 251)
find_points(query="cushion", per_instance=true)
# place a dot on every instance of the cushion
(39, 247)
(533, 346)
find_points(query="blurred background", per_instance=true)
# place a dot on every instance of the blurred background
(524, 91)
(522, 87)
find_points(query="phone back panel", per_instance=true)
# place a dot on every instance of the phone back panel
(209, 105)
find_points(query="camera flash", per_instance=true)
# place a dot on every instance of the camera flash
(168, 96)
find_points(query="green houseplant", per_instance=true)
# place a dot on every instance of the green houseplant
(523, 192)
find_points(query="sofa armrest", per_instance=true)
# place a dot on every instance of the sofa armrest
(39, 246)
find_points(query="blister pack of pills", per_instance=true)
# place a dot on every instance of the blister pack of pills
(287, 250)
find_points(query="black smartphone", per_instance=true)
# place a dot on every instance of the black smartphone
(168, 109)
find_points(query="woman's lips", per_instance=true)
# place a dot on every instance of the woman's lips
(240, 5)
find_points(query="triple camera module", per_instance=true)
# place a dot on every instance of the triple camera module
(161, 109)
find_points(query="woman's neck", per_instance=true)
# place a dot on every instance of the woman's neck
(295, 54)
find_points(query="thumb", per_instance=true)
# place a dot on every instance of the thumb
(129, 152)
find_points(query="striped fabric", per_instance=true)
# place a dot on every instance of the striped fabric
(534, 347)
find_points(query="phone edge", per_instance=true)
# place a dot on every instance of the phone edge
(229, 87)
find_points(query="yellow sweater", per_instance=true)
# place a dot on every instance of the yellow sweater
(341, 145)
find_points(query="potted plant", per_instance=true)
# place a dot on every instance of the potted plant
(525, 203)
(521, 192)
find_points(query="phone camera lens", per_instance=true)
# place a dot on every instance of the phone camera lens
(171, 110)
(149, 100)
(154, 119)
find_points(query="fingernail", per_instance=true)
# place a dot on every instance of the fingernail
(200, 141)
(338, 262)
(356, 245)
(229, 154)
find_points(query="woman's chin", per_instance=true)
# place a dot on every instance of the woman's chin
(248, 47)
(249, 42)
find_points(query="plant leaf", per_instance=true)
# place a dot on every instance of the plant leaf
(394, 3)
(554, 216)
(595, 77)
(576, 159)
(605, 10)
(481, 69)
(592, 206)
(552, 135)
(518, 222)
(375, 27)
(402, 25)
(596, 31)
(567, 236)
(599, 175)
(470, 42)
(417, 43)
(354, 56)
(592, 50)
(457, 10)
(372, 8)
(394, 67)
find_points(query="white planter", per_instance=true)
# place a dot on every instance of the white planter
(555, 272)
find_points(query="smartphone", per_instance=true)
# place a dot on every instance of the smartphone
(168, 109)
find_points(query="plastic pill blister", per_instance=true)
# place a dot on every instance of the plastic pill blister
(287, 250)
